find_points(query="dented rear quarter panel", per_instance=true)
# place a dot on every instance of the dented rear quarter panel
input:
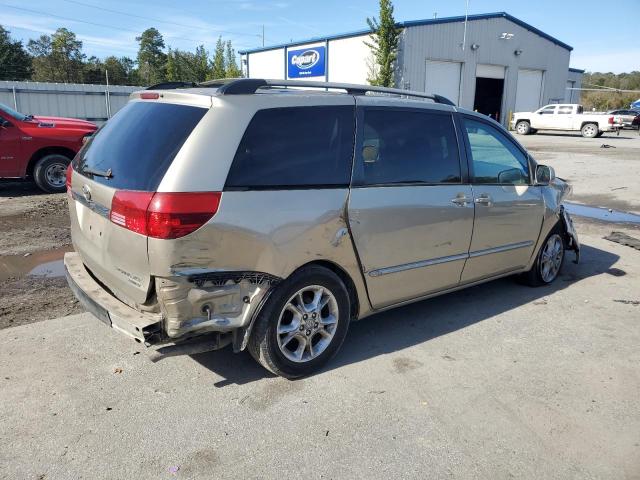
(274, 232)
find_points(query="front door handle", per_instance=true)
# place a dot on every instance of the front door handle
(485, 200)
(461, 200)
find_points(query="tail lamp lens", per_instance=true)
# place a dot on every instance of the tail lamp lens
(69, 175)
(163, 215)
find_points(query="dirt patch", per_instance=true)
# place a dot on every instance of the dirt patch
(33, 299)
(34, 233)
(31, 221)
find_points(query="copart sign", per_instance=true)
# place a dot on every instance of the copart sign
(306, 62)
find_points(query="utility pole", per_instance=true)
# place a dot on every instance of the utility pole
(106, 94)
(263, 35)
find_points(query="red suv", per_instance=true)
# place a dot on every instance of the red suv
(40, 147)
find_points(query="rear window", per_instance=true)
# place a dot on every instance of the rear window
(138, 144)
(295, 147)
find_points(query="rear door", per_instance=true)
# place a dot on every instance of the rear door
(131, 152)
(410, 210)
(508, 207)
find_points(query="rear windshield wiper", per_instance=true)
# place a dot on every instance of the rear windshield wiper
(98, 173)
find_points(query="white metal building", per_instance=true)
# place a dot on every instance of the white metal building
(496, 65)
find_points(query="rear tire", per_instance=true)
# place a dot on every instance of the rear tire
(303, 323)
(523, 127)
(548, 262)
(589, 130)
(50, 173)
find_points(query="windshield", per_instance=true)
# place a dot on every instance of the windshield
(135, 148)
(12, 113)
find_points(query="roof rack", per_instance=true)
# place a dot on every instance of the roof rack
(171, 85)
(247, 86)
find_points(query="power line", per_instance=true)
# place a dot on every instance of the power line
(40, 12)
(129, 14)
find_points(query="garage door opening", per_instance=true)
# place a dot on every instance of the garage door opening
(488, 98)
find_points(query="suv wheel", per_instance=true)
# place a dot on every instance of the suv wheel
(549, 261)
(590, 130)
(50, 173)
(523, 127)
(303, 324)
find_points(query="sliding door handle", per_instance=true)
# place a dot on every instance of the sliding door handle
(461, 200)
(485, 200)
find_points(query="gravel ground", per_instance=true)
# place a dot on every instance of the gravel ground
(498, 381)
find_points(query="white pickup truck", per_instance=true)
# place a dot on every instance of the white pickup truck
(564, 117)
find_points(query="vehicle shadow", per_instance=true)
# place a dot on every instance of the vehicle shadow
(19, 188)
(419, 322)
(624, 135)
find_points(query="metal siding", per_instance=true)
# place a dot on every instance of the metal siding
(576, 77)
(65, 99)
(268, 64)
(443, 42)
(347, 60)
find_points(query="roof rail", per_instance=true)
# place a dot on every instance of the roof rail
(171, 85)
(247, 86)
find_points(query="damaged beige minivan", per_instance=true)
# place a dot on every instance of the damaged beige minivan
(268, 216)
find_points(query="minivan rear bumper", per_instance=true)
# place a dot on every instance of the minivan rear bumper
(142, 327)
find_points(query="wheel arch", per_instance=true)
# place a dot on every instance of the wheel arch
(241, 336)
(43, 152)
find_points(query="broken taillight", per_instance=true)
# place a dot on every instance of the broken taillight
(163, 215)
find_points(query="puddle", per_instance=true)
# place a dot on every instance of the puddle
(40, 264)
(602, 214)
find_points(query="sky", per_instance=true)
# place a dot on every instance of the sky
(604, 34)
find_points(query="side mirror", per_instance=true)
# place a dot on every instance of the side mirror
(544, 174)
(4, 123)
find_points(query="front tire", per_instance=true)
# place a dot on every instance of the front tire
(523, 127)
(50, 173)
(303, 323)
(549, 261)
(589, 130)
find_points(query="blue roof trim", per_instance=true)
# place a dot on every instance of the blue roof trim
(416, 23)
(576, 70)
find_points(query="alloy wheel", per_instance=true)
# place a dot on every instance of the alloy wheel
(551, 258)
(307, 323)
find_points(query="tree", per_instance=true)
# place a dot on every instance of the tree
(218, 69)
(610, 99)
(151, 58)
(232, 69)
(384, 46)
(15, 62)
(93, 71)
(121, 71)
(57, 58)
(201, 64)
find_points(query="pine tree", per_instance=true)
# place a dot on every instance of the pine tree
(232, 69)
(218, 69)
(384, 46)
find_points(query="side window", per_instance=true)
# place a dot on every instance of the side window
(548, 110)
(495, 159)
(565, 110)
(405, 146)
(295, 147)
